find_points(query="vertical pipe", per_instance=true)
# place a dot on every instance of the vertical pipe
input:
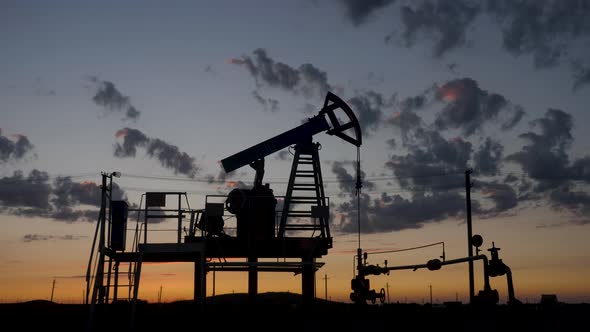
(179, 219)
(469, 246)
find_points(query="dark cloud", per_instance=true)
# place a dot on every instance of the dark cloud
(413, 103)
(517, 113)
(544, 159)
(14, 149)
(394, 212)
(35, 196)
(468, 106)
(545, 154)
(406, 121)
(577, 202)
(109, 97)
(488, 158)
(369, 109)
(443, 21)
(432, 163)
(30, 191)
(307, 80)
(347, 182)
(167, 154)
(268, 104)
(502, 195)
(132, 139)
(359, 10)
(543, 29)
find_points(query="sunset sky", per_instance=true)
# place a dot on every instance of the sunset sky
(162, 90)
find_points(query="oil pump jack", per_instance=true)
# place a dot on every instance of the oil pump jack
(259, 201)
(303, 231)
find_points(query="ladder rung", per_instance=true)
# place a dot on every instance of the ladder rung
(305, 189)
(298, 215)
(302, 227)
(304, 175)
(307, 171)
(304, 201)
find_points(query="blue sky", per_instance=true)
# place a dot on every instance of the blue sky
(501, 87)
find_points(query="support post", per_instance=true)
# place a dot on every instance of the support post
(308, 281)
(200, 282)
(252, 280)
(469, 231)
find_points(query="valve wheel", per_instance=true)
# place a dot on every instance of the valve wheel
(382, 295)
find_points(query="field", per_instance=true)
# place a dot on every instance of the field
(281, 311)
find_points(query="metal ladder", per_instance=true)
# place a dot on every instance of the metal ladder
(305, 198)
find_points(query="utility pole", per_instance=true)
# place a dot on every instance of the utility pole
(387, 287)
(430, 286)
(52, 289)
(469, 245)
(160, 295)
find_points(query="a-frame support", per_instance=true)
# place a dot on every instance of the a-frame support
(305, 207)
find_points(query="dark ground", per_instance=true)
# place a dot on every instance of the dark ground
(282, 312)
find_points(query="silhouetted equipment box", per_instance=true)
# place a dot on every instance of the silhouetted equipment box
(119, 211)
(155, 199)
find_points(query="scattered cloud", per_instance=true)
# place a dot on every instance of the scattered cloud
(268, 104)
(306, 80)
(64, 200)
(112, 100)
(359, 10)
(445, 22)
(167, 154)
(15, 147)
(369, 110)
(468, 106)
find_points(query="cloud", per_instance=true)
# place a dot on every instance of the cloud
(307, 80)
(406, 121)
(545, 154)
(30, 191)
(502, 195)
(443, 21)
(35, 196)
(369, 109)
(346, 182)
(468, 107)
(15, 148)
(544, 29)
(167, 154)
(40, 237)
(359, 10)
(544, 159)
(268, 104)
(109, 97)
(488, 158)
(432, 163)
(394, 212)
